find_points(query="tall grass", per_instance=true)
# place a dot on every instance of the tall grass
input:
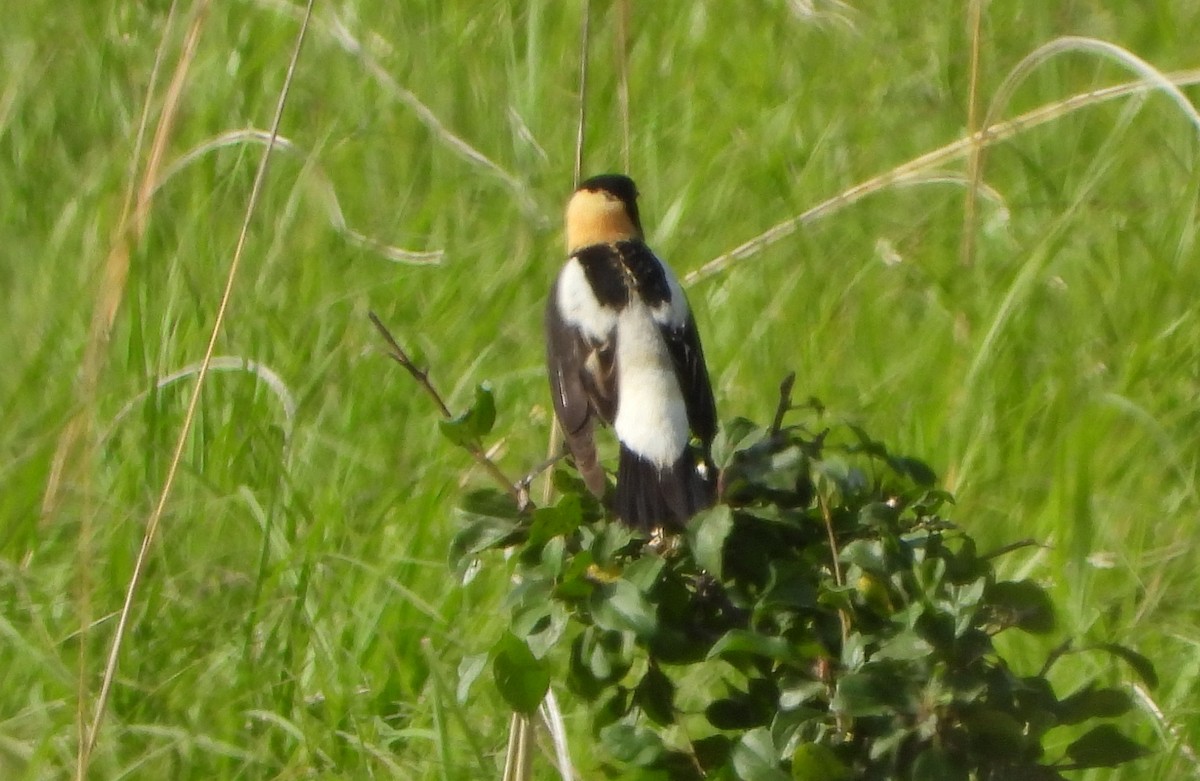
(296, 617)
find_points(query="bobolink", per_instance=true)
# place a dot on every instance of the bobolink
(622, 348)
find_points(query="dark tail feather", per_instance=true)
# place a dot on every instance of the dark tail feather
(648, 497)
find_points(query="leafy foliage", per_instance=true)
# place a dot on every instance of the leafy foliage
(824, 621)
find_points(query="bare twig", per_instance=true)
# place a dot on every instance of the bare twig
(785, 402)
(537, 471)
(397, 353)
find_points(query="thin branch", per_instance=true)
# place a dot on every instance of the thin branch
(397, 353)
(537, 471)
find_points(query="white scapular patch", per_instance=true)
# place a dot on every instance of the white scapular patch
(676, 312)
(651, 414)
(578, 305)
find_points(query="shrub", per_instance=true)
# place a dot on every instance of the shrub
(823, 621)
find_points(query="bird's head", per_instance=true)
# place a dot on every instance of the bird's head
(603, 210)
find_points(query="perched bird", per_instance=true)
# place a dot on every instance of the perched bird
(622, 348)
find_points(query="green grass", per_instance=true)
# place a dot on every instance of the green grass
(299, 571)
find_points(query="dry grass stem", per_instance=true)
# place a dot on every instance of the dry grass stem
(967, 250)
(338, 32)
(111, 291)
(333, 206)
(584, 36)
(155, 518)
(990, 135)
(623, 20)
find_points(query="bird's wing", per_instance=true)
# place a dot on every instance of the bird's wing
(583, 385)
(582, 372)
(565, 358)
(683, 344)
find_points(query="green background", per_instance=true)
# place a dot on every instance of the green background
(297, 618)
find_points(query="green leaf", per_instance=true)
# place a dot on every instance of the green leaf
(817, 762)
(742, 642)
(488, 519)
(861, 694)
(1140, 664)
(553, 559)
(734, 435)
(878, 515)
(632, 744)
(574, 582)
(468, 670)
(610, 538)
(706, 534)
(613, 708)
(582, 676)
(917, 471)
(655, 695)
(1104, 746)
(1092, 702)
(478, 535)
(487, 503)
(539, 625)
(521, 679)
(468, 428)
(789, 586)
(995, 732)
(904, 647)
(755, 757)
(935, 764)
(712, 752)
(620, 606)
(796, 693)
(643, 572)
(736, 712)
(550, 522)
(1023, 604)
(868, 554)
